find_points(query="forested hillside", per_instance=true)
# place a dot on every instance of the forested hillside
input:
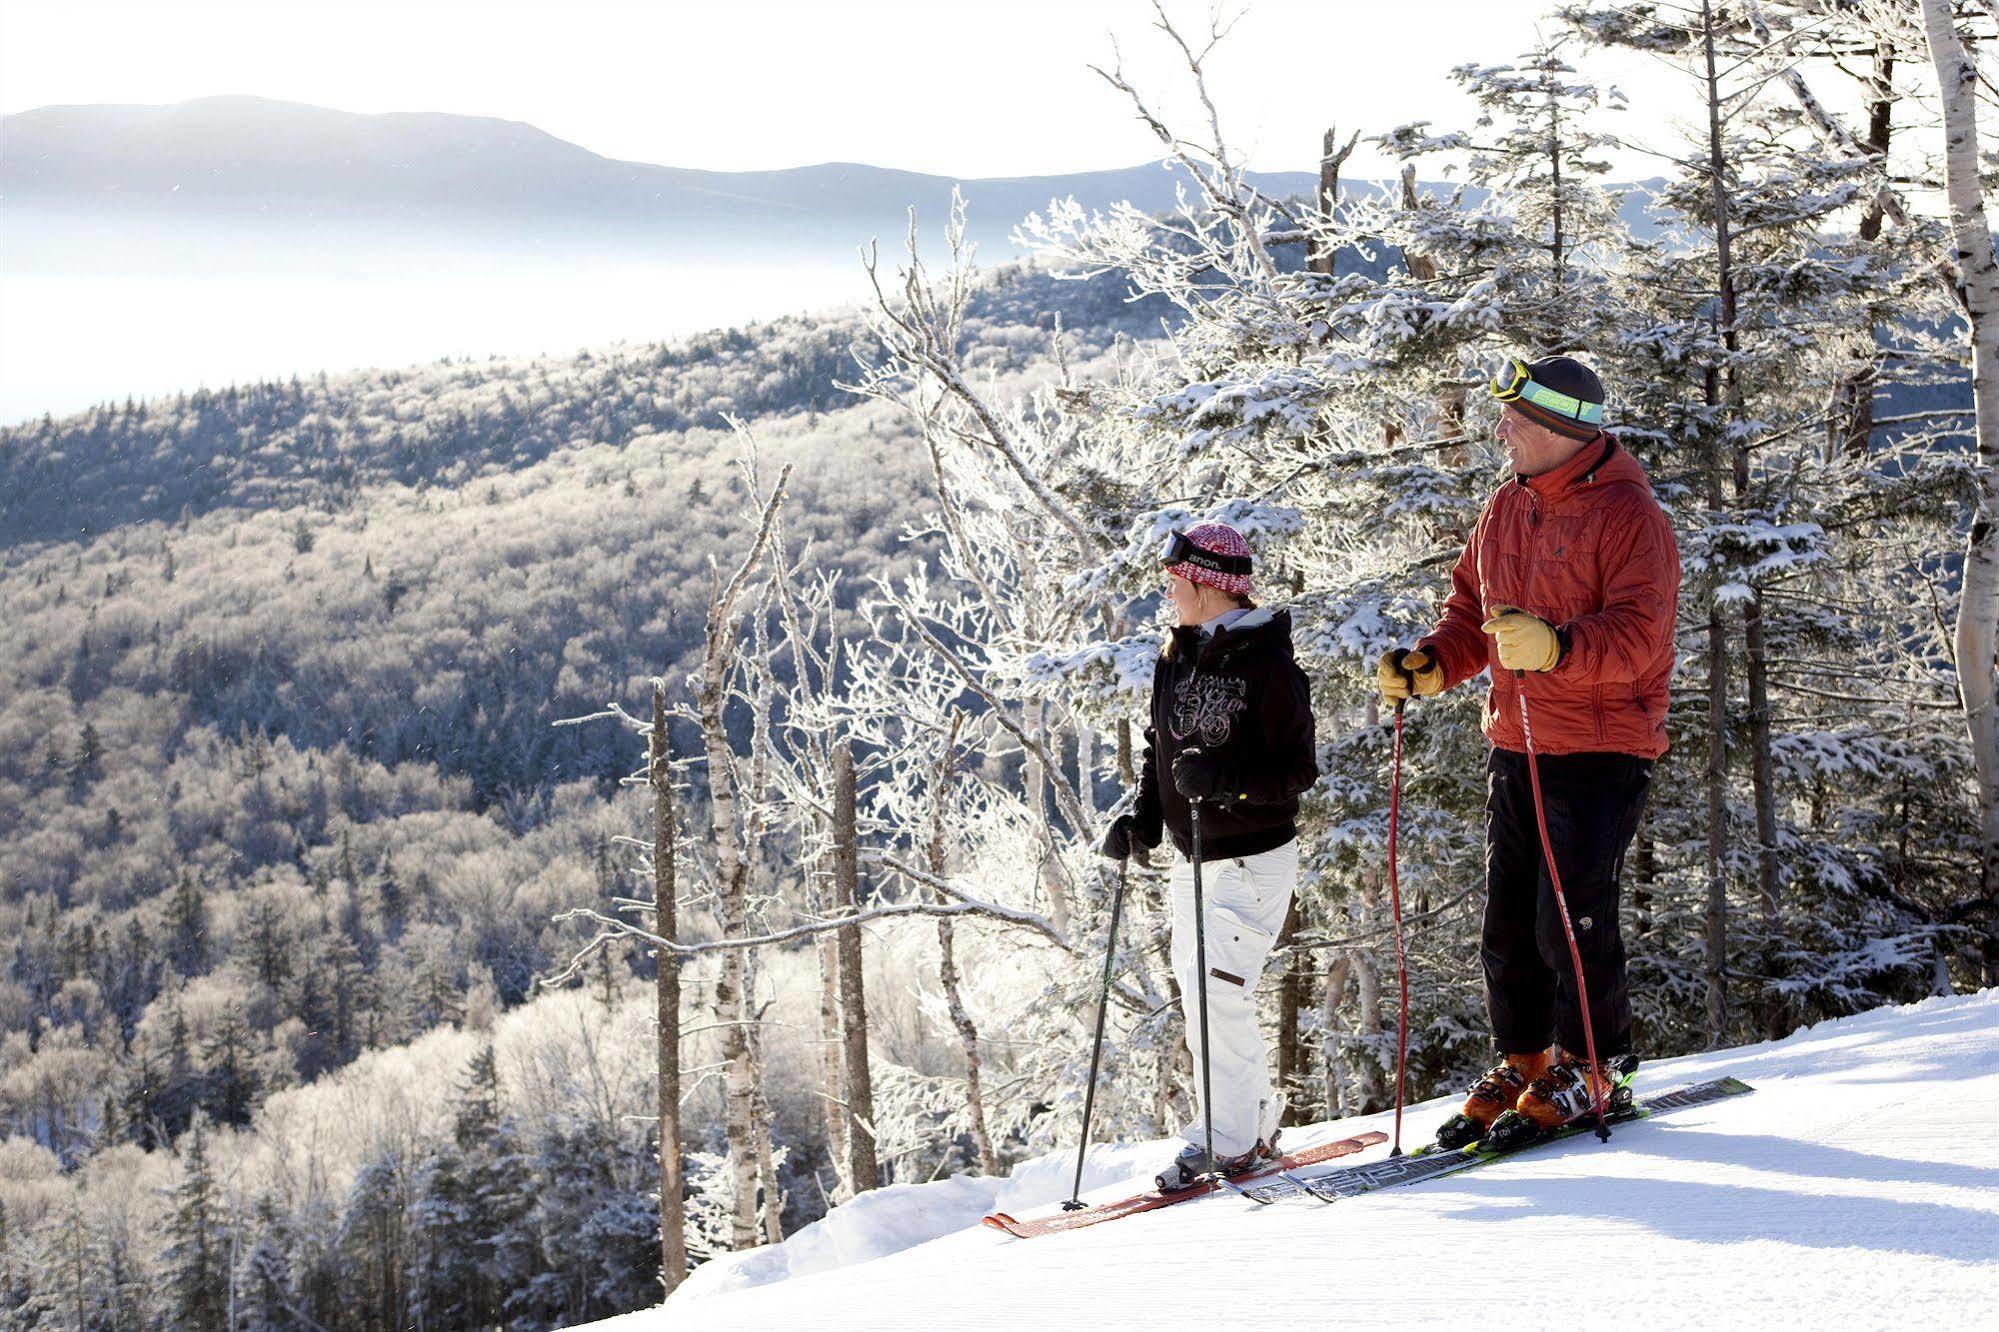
(279, 783)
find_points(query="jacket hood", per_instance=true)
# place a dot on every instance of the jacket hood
(1264, 627)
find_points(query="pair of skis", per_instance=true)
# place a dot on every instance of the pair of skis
(1432, 1162)
(1281, 1181)
(1155, 1199)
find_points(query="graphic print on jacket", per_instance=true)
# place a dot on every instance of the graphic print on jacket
(1240, 697)
(1205, 708)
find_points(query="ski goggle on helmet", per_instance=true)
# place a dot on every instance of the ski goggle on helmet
(1180, 549)
(1512, 382)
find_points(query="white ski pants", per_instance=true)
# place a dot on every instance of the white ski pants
(1247, 899)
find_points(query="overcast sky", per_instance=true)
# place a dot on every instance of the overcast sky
(963, 89)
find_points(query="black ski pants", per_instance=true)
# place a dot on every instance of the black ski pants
(1593, 803)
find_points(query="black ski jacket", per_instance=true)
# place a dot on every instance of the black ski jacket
(1240, 697)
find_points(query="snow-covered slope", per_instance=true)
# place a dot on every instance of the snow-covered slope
(1858, 1187)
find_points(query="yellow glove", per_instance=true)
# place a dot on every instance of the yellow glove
(1524, 642)
(1404, 672)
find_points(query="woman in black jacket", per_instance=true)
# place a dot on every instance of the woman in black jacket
(1231, 728)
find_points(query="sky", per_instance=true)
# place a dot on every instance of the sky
(963, 89)
(957, 88)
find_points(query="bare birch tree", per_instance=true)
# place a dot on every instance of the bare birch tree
(1978, 605)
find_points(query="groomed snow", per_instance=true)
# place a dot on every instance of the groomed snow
(1858, 1187)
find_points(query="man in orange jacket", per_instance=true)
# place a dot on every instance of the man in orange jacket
(1567, 590)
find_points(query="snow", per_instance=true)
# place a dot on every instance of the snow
(1857, 1187)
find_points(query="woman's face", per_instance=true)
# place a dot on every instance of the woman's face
(1188, 603)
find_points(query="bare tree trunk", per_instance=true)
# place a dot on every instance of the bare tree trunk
(1290, 997)
(1978, 606)
(864, 1169)
(1717, 644)
(1086, 769)
(773, 1199)
(1329, 1023)
(672, 1208)
(1157, 961)
(733, 1008)
(1762, 766)
(947, 960)
(1368, 982)
(732, 1005)
(1763, 779)
(1717, 829)
(1332, 154)
(826, 946)
(738, 1097)
(1762, 769)
(1853, 420)
(1451, 401)
(829, 1065)
(1369, 986)
(1039, 779)
(1560, 240)
(1169, 1065)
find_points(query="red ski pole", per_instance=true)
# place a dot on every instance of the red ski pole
(1395, 905)
(1562, 907)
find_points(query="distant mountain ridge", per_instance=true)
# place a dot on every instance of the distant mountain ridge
(238, 155)
(241, 239)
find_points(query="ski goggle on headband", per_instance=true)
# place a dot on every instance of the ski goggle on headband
(1180, 550)
(1511, 382)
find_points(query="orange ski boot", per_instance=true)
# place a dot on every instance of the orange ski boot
(1495, 1093)
(1567, 1093)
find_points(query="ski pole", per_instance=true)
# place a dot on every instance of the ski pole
(1395, 904)
(1562, 908)
(1201, 966)
(1075, 1203)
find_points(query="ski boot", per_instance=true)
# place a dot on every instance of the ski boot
(1495, 1093)
(1192, 1165)
(1565, 1094)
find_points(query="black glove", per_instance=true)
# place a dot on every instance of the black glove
(1124, 838)
(1197, 774)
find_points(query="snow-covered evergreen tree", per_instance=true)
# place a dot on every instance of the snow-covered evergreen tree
(196, 1252)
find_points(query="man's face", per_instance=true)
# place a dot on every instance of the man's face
(1532, 448)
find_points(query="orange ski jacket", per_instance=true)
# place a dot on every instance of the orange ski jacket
(1587, 548)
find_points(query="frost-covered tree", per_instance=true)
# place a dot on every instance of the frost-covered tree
(196, 1252)
(469, 1204)
(1739, 360)
(264, 1301)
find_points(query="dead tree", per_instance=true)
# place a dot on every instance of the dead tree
(712, 692)
(1324, 258)
(863, 1167)
(1291, 994)
(947, 959)
(672, 1207)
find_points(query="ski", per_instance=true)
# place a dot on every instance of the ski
(1154, 1199)
(1432, 1162)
